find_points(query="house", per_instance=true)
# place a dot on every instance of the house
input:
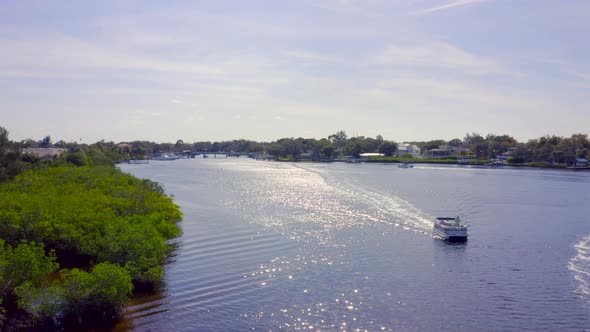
(581, 162)
(309, 155)
(508, 154)
(503, 158)
(45, 153)
(124, 147)
(442, 151)
(406, 148)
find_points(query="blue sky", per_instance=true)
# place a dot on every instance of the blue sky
(263, 70)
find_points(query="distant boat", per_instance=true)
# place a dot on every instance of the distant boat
(405, 165)
(450, 229)
(165, 156)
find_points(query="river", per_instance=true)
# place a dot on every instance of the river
(273, 246)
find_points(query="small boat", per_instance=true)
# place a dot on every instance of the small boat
(165, 156)
(138, 161)
(405, 165)
(450, 229)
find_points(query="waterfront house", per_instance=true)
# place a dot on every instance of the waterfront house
(444, 151)
(581, 162)
(406, 148)
(45, 153)
(309, 155)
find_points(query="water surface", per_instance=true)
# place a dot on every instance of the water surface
(277, 246)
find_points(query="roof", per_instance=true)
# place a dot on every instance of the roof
(45, 152)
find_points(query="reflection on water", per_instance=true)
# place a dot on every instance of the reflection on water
(278, 246)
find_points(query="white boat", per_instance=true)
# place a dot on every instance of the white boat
(450, 229)
(165, 156)
(405, 165)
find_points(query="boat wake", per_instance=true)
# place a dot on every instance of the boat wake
(389, 209)
(309, 204)
(579, 265)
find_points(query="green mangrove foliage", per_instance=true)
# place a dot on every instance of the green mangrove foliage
(78, 294)
(95, 219)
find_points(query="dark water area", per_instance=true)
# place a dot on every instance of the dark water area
(329, 247)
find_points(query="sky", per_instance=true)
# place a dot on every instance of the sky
(408, 70)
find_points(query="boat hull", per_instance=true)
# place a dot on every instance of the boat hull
(457, 239)
(450, 237)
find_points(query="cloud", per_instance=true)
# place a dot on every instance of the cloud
(351, 7)
(585, 76)
(450, 5)
(308, 56)
(58, 51)
(436, 54)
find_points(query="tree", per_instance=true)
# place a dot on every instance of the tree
(369, 144)
(388, 148)
(10, 164)
(45, 142)
(101, 292)
(4, 142)
(28, 143)
(327, 151)
(25, 262)
(379, 139)
(179, 146)
(434, 144)
(338, 139)
(353, 148)
(455, 142)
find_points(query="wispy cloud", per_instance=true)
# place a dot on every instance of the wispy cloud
(58, 51)
(579, 74)
(450, 5)
(436, 54)
(354, 7)
(308, 56)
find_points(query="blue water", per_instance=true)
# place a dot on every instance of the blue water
(329, 247)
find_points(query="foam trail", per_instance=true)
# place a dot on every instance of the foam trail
(579, 265)
(386, 207)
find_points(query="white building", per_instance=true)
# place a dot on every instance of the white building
(405, 148)
(45, 153)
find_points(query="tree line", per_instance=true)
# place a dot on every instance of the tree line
(545, 149)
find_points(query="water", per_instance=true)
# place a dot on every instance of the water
(276, 246)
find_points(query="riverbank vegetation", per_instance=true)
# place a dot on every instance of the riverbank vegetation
(547, 151)
(76, 236)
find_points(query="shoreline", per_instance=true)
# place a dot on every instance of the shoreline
(446, 162)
